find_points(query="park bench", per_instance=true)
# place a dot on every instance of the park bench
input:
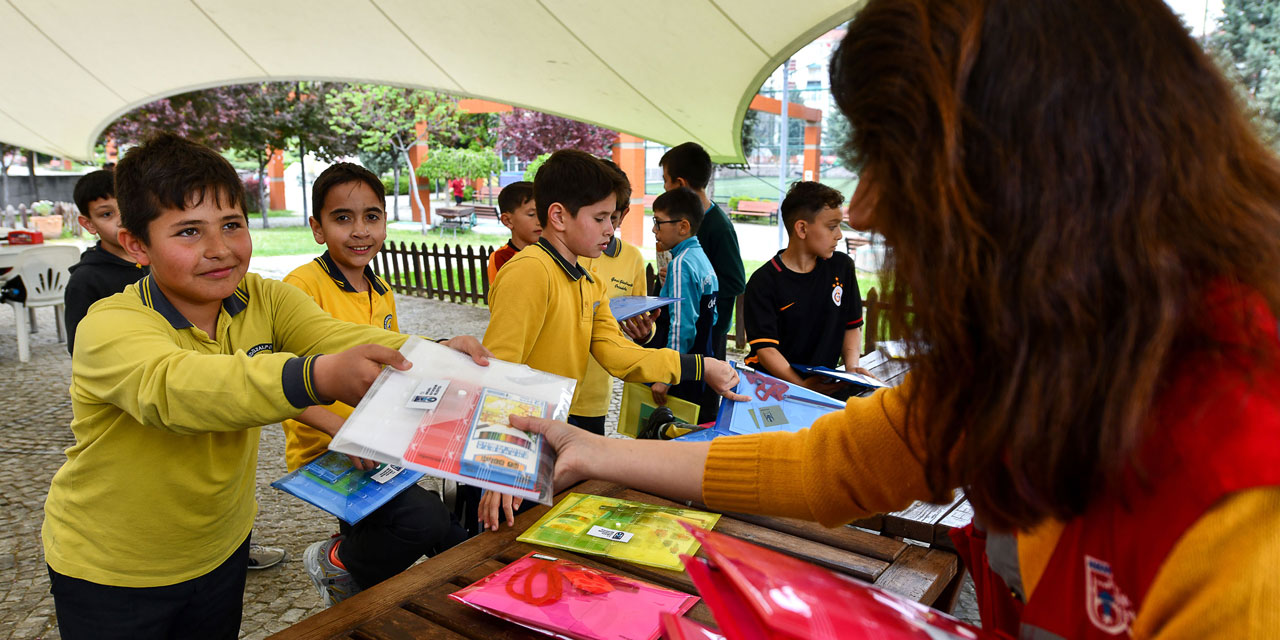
(454, 218)
(486, 211)
(853, 241)
(757, 209)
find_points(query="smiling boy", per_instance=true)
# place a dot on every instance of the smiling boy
(105, 268)
(550, 313)
(146, 528)
(350, 220)
(803, 305)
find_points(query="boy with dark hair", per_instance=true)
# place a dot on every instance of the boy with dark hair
(518, 213)
(548, 312)
(685, 326)
(105, 268)
(620, 268)
(688, 165)
(157, 494)
(803, 306)
(349, 218)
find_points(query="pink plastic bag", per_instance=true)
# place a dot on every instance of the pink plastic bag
(758, 594)
(567, 600)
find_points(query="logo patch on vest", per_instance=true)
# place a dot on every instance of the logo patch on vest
(266, 346)
(1109, 609)
(386, 322)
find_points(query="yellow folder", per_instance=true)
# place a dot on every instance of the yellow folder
(637, 404)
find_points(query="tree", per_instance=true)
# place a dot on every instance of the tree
(383, 117)
(528, 134)
(380, 163)
(1247, 43)
(835, 133)
(443, 164)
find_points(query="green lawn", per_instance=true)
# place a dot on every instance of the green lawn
(285, 241)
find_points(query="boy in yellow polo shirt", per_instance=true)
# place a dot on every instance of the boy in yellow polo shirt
(620, 267)
(349, 218)
(548, 312)
(157, 493)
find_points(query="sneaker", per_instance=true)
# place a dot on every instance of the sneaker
(334, 584)
(261, 557)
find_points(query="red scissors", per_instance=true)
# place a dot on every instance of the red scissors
(557, 573)
(766, 387)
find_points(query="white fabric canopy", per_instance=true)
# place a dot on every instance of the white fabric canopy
(664, 70)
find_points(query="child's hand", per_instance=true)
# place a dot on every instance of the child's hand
(347, 375)
(470, 346)
(362, 464)
(659, 391)
(722, 378)
(490, 517)
(574, 447)
(638, 328)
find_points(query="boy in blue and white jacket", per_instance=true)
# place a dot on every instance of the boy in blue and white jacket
(685, 326)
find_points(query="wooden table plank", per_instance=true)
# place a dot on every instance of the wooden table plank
(477, 572)
(847, 538)
(920, 574)
(436, 605)
(398, 624)
(918, 521)
(837, 559)
(958, 517)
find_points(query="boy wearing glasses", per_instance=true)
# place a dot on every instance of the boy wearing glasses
(685, 326)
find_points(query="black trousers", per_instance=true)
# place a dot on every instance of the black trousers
(207, 607)
(389, 540)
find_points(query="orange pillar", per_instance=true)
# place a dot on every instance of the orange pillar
(275, 181)
(112, 151)
(628, 153)
(812, 150)
(417, 156)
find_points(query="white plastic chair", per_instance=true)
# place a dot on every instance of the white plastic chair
(45, 272)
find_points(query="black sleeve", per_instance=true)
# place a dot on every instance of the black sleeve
(720, 243)
(760, 314)
(76, 300)
(851, 302)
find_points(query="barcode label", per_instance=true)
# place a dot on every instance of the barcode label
(610, 534)
(386, 473)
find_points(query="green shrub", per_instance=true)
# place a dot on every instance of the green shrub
(388, 183)
(733, 202)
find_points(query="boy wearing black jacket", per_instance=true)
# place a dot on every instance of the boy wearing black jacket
(106, 268)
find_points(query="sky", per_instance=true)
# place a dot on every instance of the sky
(1193, 13)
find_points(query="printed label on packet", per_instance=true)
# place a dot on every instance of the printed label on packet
(610, 534)
(428, 393)
(386, 473)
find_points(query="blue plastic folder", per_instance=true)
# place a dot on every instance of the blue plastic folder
(333, 483)
(624, 307)
(774, 405)
(855, 379)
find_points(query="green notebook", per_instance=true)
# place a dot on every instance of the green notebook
(632, 531)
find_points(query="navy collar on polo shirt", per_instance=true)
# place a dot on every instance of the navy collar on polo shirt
(571, 269)
(339, 278)
(155, 299)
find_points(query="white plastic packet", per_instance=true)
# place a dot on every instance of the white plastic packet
(448, 417)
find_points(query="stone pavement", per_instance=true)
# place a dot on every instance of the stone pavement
(34, 433)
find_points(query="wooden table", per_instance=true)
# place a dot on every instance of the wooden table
(415, 604)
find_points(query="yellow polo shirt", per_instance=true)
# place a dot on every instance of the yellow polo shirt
(621, 269)
(551, 314)
(159, 486)
(328, 286)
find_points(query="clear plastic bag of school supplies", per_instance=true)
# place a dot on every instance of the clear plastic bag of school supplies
(633, 531)
(563, 599)
(448, 417)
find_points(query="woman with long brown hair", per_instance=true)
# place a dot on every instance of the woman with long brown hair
(1088, 230)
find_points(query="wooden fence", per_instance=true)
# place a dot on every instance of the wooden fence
(21, 217)
(460, 274)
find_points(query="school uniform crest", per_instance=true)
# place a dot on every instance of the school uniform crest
(386, 322)
(266, 346)
(1108, 608)
(837, 292)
